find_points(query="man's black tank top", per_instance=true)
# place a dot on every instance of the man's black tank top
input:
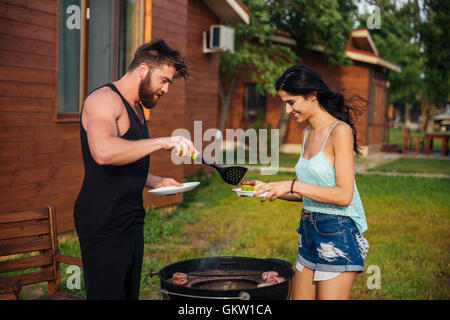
(110, 199)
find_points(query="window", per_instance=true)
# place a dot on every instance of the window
(97, 40)
(255, 103)
(69, 55)
(132, 31)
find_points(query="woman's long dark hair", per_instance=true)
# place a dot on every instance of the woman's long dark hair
(303, 81)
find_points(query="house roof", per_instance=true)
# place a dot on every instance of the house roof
(232, 11)
(363, 40)
(368, 57)
(360, 47)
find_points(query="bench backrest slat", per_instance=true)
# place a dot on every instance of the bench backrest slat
(24, 232)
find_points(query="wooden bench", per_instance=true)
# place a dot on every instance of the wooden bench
(411, 141)
(25, 232)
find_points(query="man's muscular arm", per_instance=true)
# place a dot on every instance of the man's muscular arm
(100, 114)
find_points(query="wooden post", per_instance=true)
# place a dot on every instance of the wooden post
(147, 36)
(83, 53)
(405, 140)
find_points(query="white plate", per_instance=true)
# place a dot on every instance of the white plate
(249, 193)
(167, 191)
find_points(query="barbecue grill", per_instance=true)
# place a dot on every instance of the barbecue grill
(225, 278)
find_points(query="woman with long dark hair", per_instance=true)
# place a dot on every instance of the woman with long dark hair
(331, 248)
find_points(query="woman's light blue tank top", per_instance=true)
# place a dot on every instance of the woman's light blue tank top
(318, 171)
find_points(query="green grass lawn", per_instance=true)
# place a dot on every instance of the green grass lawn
(415, 165)
(408, 223)
(285, 160)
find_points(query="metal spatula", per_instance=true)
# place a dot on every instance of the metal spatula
(231, 175)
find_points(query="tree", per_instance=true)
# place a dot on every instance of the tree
(327, 23)
(398, 41)
(416, 38)
(254, 51)
(434, 36)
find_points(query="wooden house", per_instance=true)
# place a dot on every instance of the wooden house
(368, 77)
(54, 52)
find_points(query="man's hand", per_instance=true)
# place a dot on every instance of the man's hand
(167, 182)
(159, 182)
(182, 145)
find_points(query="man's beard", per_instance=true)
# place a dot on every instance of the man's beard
(147, 96)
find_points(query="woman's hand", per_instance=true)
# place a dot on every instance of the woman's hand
(275, 190)
(254, 183)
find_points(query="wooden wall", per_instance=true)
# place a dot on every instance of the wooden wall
(40, 158)
(377, 120)
(355, 79)
(202, 90)
(235, 117)
(169, 22)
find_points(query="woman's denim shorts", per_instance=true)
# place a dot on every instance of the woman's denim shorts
(331, 243)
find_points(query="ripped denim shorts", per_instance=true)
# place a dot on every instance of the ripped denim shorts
(330, 243)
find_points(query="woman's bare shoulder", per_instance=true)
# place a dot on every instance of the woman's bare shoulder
(342, 128)
(342, 133)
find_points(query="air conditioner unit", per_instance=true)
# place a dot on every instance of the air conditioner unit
(221, 39)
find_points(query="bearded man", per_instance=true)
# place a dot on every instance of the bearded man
(115, 143)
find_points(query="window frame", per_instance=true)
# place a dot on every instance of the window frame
(84, 43)
(262, 106)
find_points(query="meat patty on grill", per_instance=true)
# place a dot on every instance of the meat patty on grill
(179, 278)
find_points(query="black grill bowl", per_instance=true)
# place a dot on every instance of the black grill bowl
(279, 291)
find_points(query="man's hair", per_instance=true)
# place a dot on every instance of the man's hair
(156, 53)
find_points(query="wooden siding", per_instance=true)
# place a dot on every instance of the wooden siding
(40, 157)
(202, 89)
(169, 22)
(377, 118)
